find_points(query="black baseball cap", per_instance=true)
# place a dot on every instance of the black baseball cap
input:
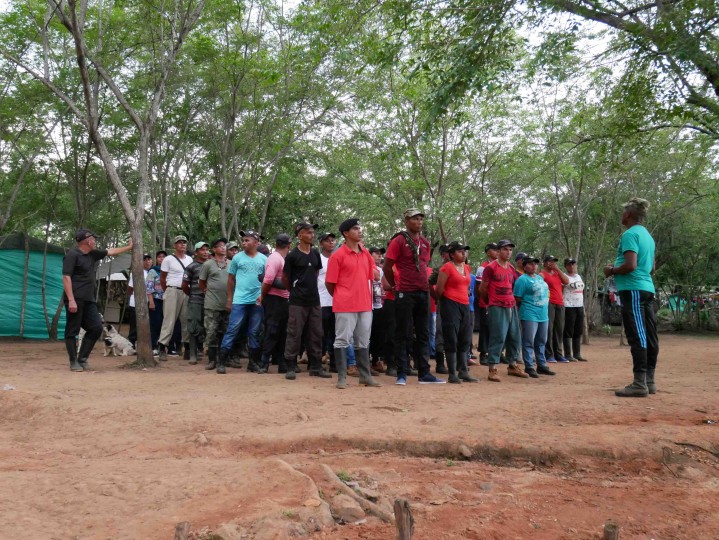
(520, 255)
(455, 246)
(377, 250)
(215, 242)
(569, 260)
(161, 252)
(347, 224)
(548, 258)
(82, 234)
(325, 236)
(262, 248)
(252, 234)
(304, 225)
(282, 240)
(504, 243)
(528, 258)
(146, 256)
(444, 248)
(489, 246)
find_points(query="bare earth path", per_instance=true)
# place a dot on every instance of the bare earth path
(119, 453)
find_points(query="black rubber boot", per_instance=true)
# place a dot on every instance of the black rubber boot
(452, 368)
(651, 386)
(71, 346)
(88, 343)
(193, 350)
(341, 364)
(221, 359)
(365, 378)
(441, 368)
(211, 358)
(200, 349)
(316, 369)
(483, 359)
(282, 366)
(463, 369)
(186, 351)
(333, 362)
(291, 367)
(253, 361)
(638, 388)
(264, 364)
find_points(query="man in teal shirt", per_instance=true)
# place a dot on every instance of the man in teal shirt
(632, 271)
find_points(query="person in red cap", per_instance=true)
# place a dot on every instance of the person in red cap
(78, 281)
(350, 273)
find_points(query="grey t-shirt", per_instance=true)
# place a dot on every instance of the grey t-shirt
(215, 275)
(192, 276)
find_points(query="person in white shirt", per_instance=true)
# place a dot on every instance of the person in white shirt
(573, 293)
(328, 243)
(146, 264)
(172, 271)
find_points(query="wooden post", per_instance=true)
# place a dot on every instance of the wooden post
(182, 530)
(611, 530)
(403, 519)
(23, 305)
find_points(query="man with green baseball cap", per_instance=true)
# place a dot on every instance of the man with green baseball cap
(172, 271)
(195, 306)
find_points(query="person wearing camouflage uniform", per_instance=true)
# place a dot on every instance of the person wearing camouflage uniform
(195, 306)
(213, 282)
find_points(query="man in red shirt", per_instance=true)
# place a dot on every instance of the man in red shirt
(556, 279)
(497, 290)
(410, 251)
(482, 314)
(350, 272)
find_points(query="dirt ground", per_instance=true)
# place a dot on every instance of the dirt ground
(118, 453)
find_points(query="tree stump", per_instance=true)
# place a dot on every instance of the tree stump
(611, 530)
(403, 519)
(182, 530)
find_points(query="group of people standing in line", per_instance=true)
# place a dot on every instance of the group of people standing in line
(364, 311)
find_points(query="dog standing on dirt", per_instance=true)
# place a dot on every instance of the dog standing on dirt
(116, 344)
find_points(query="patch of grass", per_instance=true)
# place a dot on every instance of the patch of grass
(344, 476)
(288, 513)
(449, 463)
(321, 494)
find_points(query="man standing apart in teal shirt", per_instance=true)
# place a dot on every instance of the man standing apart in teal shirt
(632, 271)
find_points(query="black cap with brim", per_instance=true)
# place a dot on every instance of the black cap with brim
(504, 243)
(569, 260)
(83, 234)
(456, 246)
(377, 250)
(252, 234)
(325, 236)
(146, 256)
(520, 255)
(215, 242)
(304, 225)
(548, 258)
(489, 246)
(282, 240)
(527, 259)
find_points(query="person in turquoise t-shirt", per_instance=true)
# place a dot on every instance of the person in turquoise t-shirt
(632, 270)
(532, 295)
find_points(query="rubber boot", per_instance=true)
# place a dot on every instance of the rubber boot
(365, 378)
(463, 369)
(638, 388)
(651, 386)
(441, 368)
(211, 358)
(483, 359)
(452, 368)
(576, 349)
(282, 365)
(222, 358)
(71, 346)
(200, 349)
(253, 361)
(316, 369)
(88, 343)
(333, 363)
(391, 362)
(567, 343)
(341, 364)
(193, 350)
(291, 369)
(186, 351)
(264, 364)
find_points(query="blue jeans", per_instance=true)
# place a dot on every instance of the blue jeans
(534, 338)
(432, 334)
(351, 361)
(244, 315)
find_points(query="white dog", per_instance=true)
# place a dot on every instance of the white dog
(116, 344)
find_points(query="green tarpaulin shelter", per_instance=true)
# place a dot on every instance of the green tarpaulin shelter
(22, 313)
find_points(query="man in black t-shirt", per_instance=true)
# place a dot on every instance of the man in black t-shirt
(78, 280)
(196, 304)
(300, 277)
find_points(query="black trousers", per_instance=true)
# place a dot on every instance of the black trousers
(88, 318)
(412, 314)
(573, 329)
(377, 339)
(276, 314)
(482, 314)
(555, 331)
(456, 326)
(328, 331)
(640, 325)
(390, 333)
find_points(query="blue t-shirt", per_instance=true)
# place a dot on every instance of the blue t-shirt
(638, 240)
(533, 291)
(246, 269)
(472, 281)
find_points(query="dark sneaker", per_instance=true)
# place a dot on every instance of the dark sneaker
(544, 370)
(431, 379)
(570, 358)
(580, 359)
(172, 353)
(75, 366)
(466, 377)
(532, 373)
(633, 390)
(454, 379)
(442, 370)
(401, 381)
(561, 360)
(321, 373)
(391, 372)
(551, 360)
(290, 376)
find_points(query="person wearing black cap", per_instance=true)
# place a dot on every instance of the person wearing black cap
(196, 301)
(146, 265)
(573, 312)
(78, 281)
(497, 289)
(243, 301)
(328, 242)
(156, 299)
(299, 275)
(532, 295)
(379, 323)
(482, 314)
(350, 272)
(453, 287)
(519, 264)
(555, 279)
(632, 271)
(410, 251)
(213, 282)
(275, 301)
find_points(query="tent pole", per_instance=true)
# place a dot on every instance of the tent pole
(24, 284)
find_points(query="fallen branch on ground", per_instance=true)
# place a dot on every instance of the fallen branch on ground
(366, 505)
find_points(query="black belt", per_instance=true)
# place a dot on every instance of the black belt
(173, 287)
